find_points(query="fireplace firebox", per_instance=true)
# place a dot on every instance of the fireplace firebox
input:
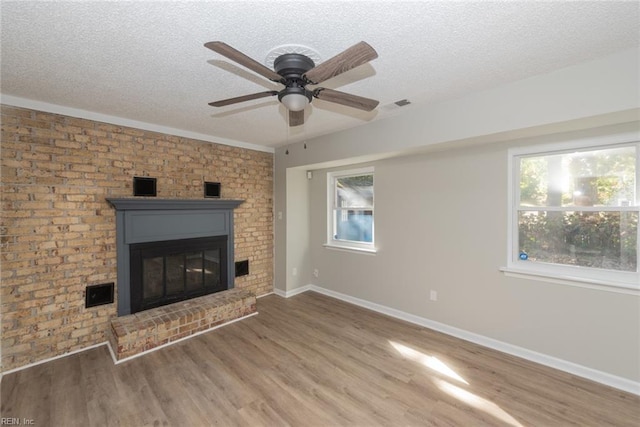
(170, 271)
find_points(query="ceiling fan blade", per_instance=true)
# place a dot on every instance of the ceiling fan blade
(347, 99)
(243, 98)
(242, 59)
(357, 54)
(296, 118)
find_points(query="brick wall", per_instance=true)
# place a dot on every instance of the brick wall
(58, 232)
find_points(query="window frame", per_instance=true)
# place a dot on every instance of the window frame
(351, 245)
(611, 280)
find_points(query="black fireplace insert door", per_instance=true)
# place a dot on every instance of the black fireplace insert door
(176, 270)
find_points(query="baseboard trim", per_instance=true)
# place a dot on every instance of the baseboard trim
(126, 359)
(614, 381)
(112, 353)
(264, 295)
(51, 359)
(293, 292)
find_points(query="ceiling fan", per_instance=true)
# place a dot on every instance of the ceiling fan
(295, 71)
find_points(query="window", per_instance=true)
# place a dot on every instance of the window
(574, 212)
(350, 216)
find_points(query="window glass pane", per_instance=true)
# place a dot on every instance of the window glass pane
(353, 225)
(212, 268)
(194, 270)
(606, 240)
(602, 177)
(354, 191)
(175, 273)
(152, 275)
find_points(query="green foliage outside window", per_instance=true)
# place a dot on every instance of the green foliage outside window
(588, 239)
(574, 208)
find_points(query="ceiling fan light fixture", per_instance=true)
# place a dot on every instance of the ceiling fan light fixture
(295, 98)
(295, 101)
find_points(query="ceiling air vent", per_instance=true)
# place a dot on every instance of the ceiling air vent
(396, 105)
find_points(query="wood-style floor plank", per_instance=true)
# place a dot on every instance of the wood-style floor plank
(312, 360)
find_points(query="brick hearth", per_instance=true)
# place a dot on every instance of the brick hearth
(146, 330)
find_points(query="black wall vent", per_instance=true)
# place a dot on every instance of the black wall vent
(242, 268)
(99, 295)
(143, 186)
(212, 189)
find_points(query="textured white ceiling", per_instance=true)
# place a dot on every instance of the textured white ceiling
(145, 61)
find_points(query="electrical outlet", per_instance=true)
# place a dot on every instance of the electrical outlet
(294, 271)
(433, 295)
(316, 273)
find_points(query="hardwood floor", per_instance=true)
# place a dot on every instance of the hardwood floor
(312, 360)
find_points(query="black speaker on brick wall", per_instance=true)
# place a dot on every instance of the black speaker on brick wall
(212, 189)
(144, 186)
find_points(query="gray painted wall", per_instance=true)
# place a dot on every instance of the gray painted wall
(427, 237)
(441, 224)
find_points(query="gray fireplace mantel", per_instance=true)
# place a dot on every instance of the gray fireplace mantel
(128, 203)
(141, 220)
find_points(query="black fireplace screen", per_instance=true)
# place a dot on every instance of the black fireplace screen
(171, 271)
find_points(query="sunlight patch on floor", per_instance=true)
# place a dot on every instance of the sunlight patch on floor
(461, 394)
(477, 402)
(430, 362)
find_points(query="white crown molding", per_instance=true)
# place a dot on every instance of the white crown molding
(121, 121)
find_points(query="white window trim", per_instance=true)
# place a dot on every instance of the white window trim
(348, 245)
(607, 280)
(370, 251)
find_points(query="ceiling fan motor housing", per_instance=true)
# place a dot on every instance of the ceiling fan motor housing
(292, 66)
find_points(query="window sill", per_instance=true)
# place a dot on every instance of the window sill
(368, 251)
(580, 282)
